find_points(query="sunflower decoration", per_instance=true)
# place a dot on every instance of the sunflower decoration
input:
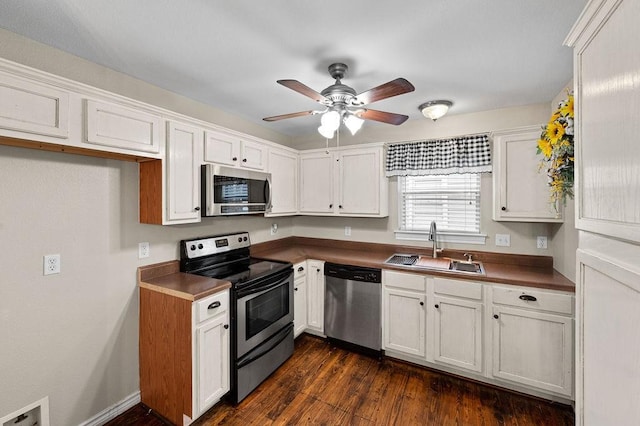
(556, 147)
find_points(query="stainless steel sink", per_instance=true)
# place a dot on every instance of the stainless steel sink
(443, 264)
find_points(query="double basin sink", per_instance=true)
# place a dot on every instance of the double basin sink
(443, 264)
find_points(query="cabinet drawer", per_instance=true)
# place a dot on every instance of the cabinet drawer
(458, 288)
(211, 306)
(544, 300)
(407, 281)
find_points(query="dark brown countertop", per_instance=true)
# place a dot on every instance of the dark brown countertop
(166, 278)
(523, 270)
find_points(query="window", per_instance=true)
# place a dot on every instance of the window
(453, 201)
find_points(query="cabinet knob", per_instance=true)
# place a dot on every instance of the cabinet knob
(421, 303)
(295, 289)
(226, 326)
(330, 206)
(197, 209)
(235, 158)
(340, 206)
(496, 316)
(300, 269)
(244, 160)
(503, 208)
(437, 306)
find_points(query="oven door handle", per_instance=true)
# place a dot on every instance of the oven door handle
(266, 349)
(243, 292)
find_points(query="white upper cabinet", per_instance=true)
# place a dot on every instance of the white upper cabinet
(316, 183)
(345, 182)
(283, 166)
(520, 191)
(184, 156)
(30, 107)
(116, 126)
(363, 187)
(232, 150)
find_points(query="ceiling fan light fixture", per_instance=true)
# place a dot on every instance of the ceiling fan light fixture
(326, 132)
(353, 123)
(435, 109)
(331, 120)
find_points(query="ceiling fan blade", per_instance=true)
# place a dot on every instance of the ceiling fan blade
(291, 115)
(395, 87)
(304, 90)
(382, 116)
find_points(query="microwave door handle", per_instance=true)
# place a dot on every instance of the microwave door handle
(267, 193)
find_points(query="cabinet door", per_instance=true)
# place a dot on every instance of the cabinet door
(253, 155)
(458, 333)
(283, 166)
(404, 321)
(299, 305)
(221, 148)
(315, 300)
(116, 126)
(316, 183)
(212, 362)
(33, 108)
(533, 349)
(360, 182)
(520, 192)
(184, 147)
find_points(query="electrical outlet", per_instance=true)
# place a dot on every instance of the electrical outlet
(347, 231)
(503, 240)
(542, 242)
(143, 250)
(51, 264)
(274, 228)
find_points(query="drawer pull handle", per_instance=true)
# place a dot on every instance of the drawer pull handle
(226, 326)
(214, 305)
(527, 298)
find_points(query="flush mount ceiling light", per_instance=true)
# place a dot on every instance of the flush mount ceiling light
(343, 105)
(435, 109)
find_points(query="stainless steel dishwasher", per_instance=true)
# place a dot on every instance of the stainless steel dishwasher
(352, 305)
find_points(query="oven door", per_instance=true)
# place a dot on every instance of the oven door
(262, 309)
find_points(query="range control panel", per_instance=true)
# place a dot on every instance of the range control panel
(205, 246)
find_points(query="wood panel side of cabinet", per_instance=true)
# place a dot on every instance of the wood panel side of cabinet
(165, 354)
(151, 192)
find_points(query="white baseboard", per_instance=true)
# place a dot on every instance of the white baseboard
(114, 411)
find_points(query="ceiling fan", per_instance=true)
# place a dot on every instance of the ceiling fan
(341, 103)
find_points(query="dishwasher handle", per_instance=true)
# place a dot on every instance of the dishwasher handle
(353, 273)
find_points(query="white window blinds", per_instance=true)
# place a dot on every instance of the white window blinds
(453, 201)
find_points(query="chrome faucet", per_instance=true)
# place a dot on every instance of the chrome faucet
(433, 236)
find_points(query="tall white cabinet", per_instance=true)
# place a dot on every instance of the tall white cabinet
(607, 93)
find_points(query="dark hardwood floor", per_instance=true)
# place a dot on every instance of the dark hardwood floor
(325, 385)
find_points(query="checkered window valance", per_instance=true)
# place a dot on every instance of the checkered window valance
(464, 154)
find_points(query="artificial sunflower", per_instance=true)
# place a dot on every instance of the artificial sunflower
(556, 147)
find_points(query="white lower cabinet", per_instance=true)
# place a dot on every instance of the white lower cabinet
(457, 324)
(299, 298)
(532, 336)
(315, 296)
(404, 313)
(511, 336)
(211, 352)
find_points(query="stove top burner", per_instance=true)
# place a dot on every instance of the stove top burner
(257, 269)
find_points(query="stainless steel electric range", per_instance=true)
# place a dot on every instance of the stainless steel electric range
(261, 305)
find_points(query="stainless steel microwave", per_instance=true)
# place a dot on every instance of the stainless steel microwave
(227, 191)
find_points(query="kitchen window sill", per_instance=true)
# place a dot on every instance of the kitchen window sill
(445, 237)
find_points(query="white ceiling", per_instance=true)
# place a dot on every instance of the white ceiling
(481, 54)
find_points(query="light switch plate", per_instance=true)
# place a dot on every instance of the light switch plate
(347, 231)
(503, 240)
